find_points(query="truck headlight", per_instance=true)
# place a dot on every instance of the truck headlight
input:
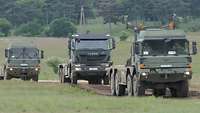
(187, 73)
(11, 69)
(78, 69)
(36, 69)
(144, 74)
(77, 65)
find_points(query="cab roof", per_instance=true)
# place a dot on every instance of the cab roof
(160, 33)
(22, 45)
(91, 36)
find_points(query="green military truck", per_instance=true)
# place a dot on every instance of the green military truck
(22, 61)
(89, 57)
(160, 59)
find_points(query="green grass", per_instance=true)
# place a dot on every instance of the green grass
(27, 97)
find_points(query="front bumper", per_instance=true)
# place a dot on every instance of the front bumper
(90, 70)
(166, 75)
(22, 71)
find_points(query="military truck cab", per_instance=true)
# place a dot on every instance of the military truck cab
(90, 56)
(159, 59)
(22, 61)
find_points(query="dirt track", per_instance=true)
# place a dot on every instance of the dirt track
(105, 89)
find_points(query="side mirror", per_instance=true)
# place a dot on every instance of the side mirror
(113, 43)
(137, 49)
(194, 48)
(6, 52)
(69, 44)
(42, 54)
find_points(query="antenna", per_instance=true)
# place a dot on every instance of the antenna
(82, 17)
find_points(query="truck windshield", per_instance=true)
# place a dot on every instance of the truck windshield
(153, 47)
(23, 53)
(93, 44)
(165, 47)
(178, 47)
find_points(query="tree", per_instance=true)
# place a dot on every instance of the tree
(110, 10)
(61, 28)
(29, 29)
(5, 26)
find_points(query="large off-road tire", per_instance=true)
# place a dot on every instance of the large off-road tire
(62, 77)
(1, 78)
(67, 80)
(35, 78)
(106, 80)
(130, 85)
(182, 89)
(138, 87)
(6, 76)
(173, 92)
(112, 84)
(60, 73)
(159, 92)
(119, 88)
(74, 78)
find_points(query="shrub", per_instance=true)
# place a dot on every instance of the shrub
(124, 36)
(30, 29)
(53, 63)
(191, 26)
(5, 27)
(61, 28)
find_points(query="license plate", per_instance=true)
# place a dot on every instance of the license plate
(23, 64)
(164, 70)
(166, 66)
(93, 69)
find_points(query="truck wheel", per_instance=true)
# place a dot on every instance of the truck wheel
(6, 76)
(74, 78)
(183, 89)
(61, 77)
(138, 87)
(35, 78)
(1, 78)
(98, 81)
(130, 85)
(173, 92)
(120, 89)
(112, 84)
(159, 92)
(106, 80)
(67, 80)
(90, 81)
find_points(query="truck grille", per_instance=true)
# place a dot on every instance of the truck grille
(92, 58)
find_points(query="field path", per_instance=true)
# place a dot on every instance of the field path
(105, 89)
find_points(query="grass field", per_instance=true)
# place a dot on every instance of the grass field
(29, 97)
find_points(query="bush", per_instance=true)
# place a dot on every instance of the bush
(61, 28)
(30, 29)
(124, 36)
(53, 63)
(190, 26)
(5, 27)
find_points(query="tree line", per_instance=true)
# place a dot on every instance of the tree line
(41, 15)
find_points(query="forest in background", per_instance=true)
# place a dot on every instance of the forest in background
(61, 17)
